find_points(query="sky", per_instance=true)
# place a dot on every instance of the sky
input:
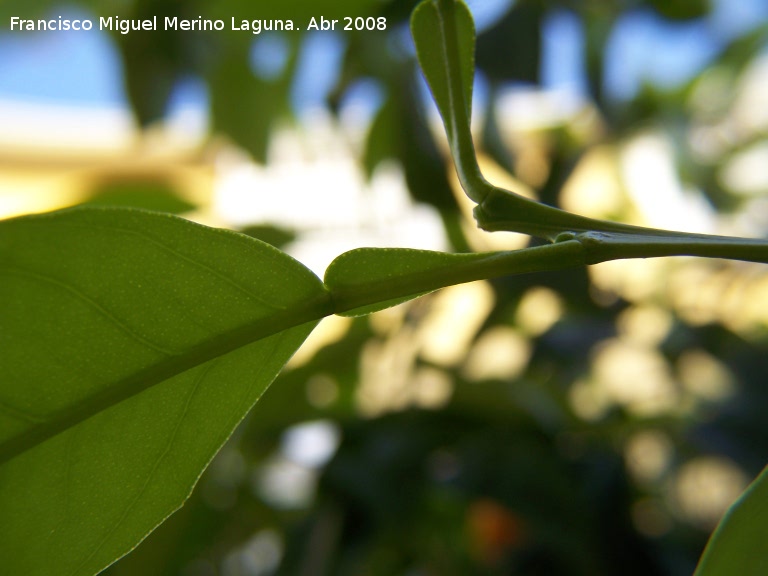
(38, 68)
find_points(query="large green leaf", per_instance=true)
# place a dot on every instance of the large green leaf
(738, 544)
(131, 345)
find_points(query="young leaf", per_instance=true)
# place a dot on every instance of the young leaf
(443, 31)
(738, 544)
(370, 279)
(444, 34)
(131, 345)
(392, 275)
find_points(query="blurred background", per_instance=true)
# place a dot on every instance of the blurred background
(585, 422)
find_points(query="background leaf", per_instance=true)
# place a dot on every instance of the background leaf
(135, 193)
(245, 106)
(511, 49)
(101, 304)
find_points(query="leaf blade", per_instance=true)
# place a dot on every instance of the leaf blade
(444, 34)
(86, 302)
(366, 280)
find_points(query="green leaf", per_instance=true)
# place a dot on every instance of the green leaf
(444, 34)
(131, 345)
(362, 273)
(511, 49)
(738, 544)
(677, 10)
(245, 107)
(147, 195)
(382, 141)
(366, 280)
(400, 131)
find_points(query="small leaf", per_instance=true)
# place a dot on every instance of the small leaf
(444, 34)
(131, 345)
(356, 273)
(738, 544)
(370, 279)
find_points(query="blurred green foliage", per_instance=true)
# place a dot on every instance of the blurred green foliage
(505, 477)
(139, 194)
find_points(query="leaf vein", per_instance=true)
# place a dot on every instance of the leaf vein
(132, 504)
(187, 259)
(92, 303)
(18, 413)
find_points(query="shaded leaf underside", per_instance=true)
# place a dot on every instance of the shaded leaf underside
(104, 306)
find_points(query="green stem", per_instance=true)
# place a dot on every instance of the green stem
(457, 124)
(601, 247)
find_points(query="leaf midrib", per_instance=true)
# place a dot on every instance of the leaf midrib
(308, 311)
